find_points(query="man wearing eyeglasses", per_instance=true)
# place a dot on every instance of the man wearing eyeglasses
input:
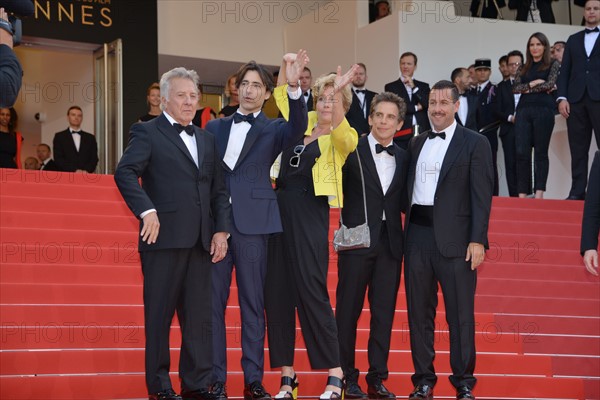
(383, 168)
(249, 143)
(506, 104)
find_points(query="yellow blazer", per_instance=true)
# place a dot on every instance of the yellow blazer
(327, 174)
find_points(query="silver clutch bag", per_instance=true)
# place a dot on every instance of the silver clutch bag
(352, 238)
(358, 237)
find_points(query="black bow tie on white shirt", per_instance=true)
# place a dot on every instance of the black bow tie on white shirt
(77, 132)
(305, 94)
(237, 118)
(596, 29)
(360, 91)
(433, 135)
(188, 129)
(379, 148)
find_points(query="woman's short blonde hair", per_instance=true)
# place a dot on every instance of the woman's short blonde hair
(326, 81)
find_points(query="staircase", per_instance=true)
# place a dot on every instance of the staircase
(71, 314)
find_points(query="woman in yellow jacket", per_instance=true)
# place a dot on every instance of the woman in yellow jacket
(310, 180)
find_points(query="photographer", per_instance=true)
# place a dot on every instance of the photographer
(10, 68)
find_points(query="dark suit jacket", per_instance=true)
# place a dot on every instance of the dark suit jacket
(50, 166)
(472, 106)
(463, 197)
(192, 203)
(355, 116)
(485, 114)
(68, 158)
(577, 73)
(421, 96)
(254, 203)
(505, 106)
(590, 226)
(309, 101)
(11, 74)
(488, 10)
(523, 6)
(391, 202)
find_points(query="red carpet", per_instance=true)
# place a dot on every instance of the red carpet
(71, 315)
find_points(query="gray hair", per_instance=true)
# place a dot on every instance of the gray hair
(179, 72)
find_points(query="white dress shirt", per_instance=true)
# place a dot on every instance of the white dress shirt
(463, 109)
(385, 164)
(76, 137)
(590, 41)
(429, 165)
(361, 100)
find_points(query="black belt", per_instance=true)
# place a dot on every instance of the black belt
(421, 215)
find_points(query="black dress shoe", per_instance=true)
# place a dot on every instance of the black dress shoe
(421, 392)
(219, 391)
(353, 391)
(464, 393)
(575, 198)
(168, 394)
(256, 391)
(200, 394)
(378, 391)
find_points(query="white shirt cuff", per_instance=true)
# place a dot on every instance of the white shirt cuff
(294, 94)
(142, 215)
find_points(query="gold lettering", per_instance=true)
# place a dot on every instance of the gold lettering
(46, 12)
(105, 12)
(85, 14)
(62, 10)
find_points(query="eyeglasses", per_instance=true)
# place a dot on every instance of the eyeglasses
(514, 64)
(295, 160)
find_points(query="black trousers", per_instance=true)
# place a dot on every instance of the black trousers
(585, 116)
(510, 160)
(492, 137)
(424, 269)
(178, 279)
(379, 272)
(297, 279)
(533, 128)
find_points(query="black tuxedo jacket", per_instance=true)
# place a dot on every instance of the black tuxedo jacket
(67, 157)
(355, 115)
(472, 106)
(505, 106)
(591, 211)
(488, 10)
(309, 101)
(463, 196)
(192, 202)
(50, 166)
(391, 202)
(579, 73)
(523, 6)
(485, 113)
(421, 96)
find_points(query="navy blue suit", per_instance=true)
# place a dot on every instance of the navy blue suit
(578, 82)
(255, 215)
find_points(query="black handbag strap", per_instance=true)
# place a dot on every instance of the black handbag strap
(362, 181)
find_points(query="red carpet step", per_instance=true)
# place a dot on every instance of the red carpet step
(71, 313)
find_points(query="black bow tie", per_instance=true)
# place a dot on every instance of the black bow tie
(77, 132)
(360, 91)
(379, 148)
(188, 129)
(433, 135)
(305, 94)
(462, 95)
(596, 29)
(237, 118)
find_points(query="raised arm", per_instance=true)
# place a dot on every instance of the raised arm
(341, 81)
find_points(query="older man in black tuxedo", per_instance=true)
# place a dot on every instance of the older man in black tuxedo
(383, 168)
(183, 187)
(450, 184)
